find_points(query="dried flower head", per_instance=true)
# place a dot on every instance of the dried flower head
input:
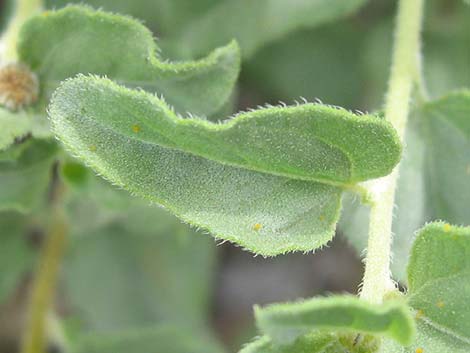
(19, 86)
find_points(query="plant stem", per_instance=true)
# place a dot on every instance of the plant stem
(42, 296)
(405, 73)
(24, 9)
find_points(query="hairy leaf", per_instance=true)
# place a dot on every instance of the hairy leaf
(255, 23)
(411, 189)
(162, 338)
(434, 176)
(24, 179)
(311, 343)
(311, 142)
(439, 278)
(60, 44)
(316, 342)
(286, 322)
(439, 288)
(428, 340)
(269, 187)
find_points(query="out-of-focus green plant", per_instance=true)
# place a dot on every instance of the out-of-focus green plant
(270, 180)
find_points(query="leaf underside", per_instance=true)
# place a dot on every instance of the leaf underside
(60, 44)
(439, 288)
(226, 177)
(311, 343)
(284, 323)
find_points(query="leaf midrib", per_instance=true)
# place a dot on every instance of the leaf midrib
(355, 187)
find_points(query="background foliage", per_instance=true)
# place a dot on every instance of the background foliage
(134, 276)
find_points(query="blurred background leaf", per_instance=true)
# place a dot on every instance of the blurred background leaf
(342, 63)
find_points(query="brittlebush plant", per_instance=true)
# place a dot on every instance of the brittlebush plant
(270, 180)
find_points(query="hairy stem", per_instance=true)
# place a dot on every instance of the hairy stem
(24, 9)
(405, 73)
(42, 296)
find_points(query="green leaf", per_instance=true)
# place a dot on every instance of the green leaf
(16, 256)
(162, 16)
(311, 343)
(410, 192)
(439, 288)
(158, 339)
(269, 187)
(256, 23)
(285, 322)
(315, 342)
(447, 163)
(140, 267)
(13, 126)
(338, 147)
(430, 340)
(311, 64)
(25, 180)
(60, 44)
(434, 176)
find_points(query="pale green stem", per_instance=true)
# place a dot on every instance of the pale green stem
(405, 73)
(24, 9)
(42, 296)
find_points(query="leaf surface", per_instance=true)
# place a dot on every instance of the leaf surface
(439, 288)
(310, 64)
(447, 162)
(16, 256)
(161, 16)
(285, 322)
(142, 261)
(163, 338)
(269, 187)
(60, 44)
(439, 278)
(434, 176)
(256, 23)
(12, 126)
(311, 343)
(24, 176)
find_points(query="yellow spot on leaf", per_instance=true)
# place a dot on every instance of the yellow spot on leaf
(92, 148)
(419, 350)
(447, 228)
(257, 227)
(322, 218)
(136, 128)
(419, 314)
(440, 304)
